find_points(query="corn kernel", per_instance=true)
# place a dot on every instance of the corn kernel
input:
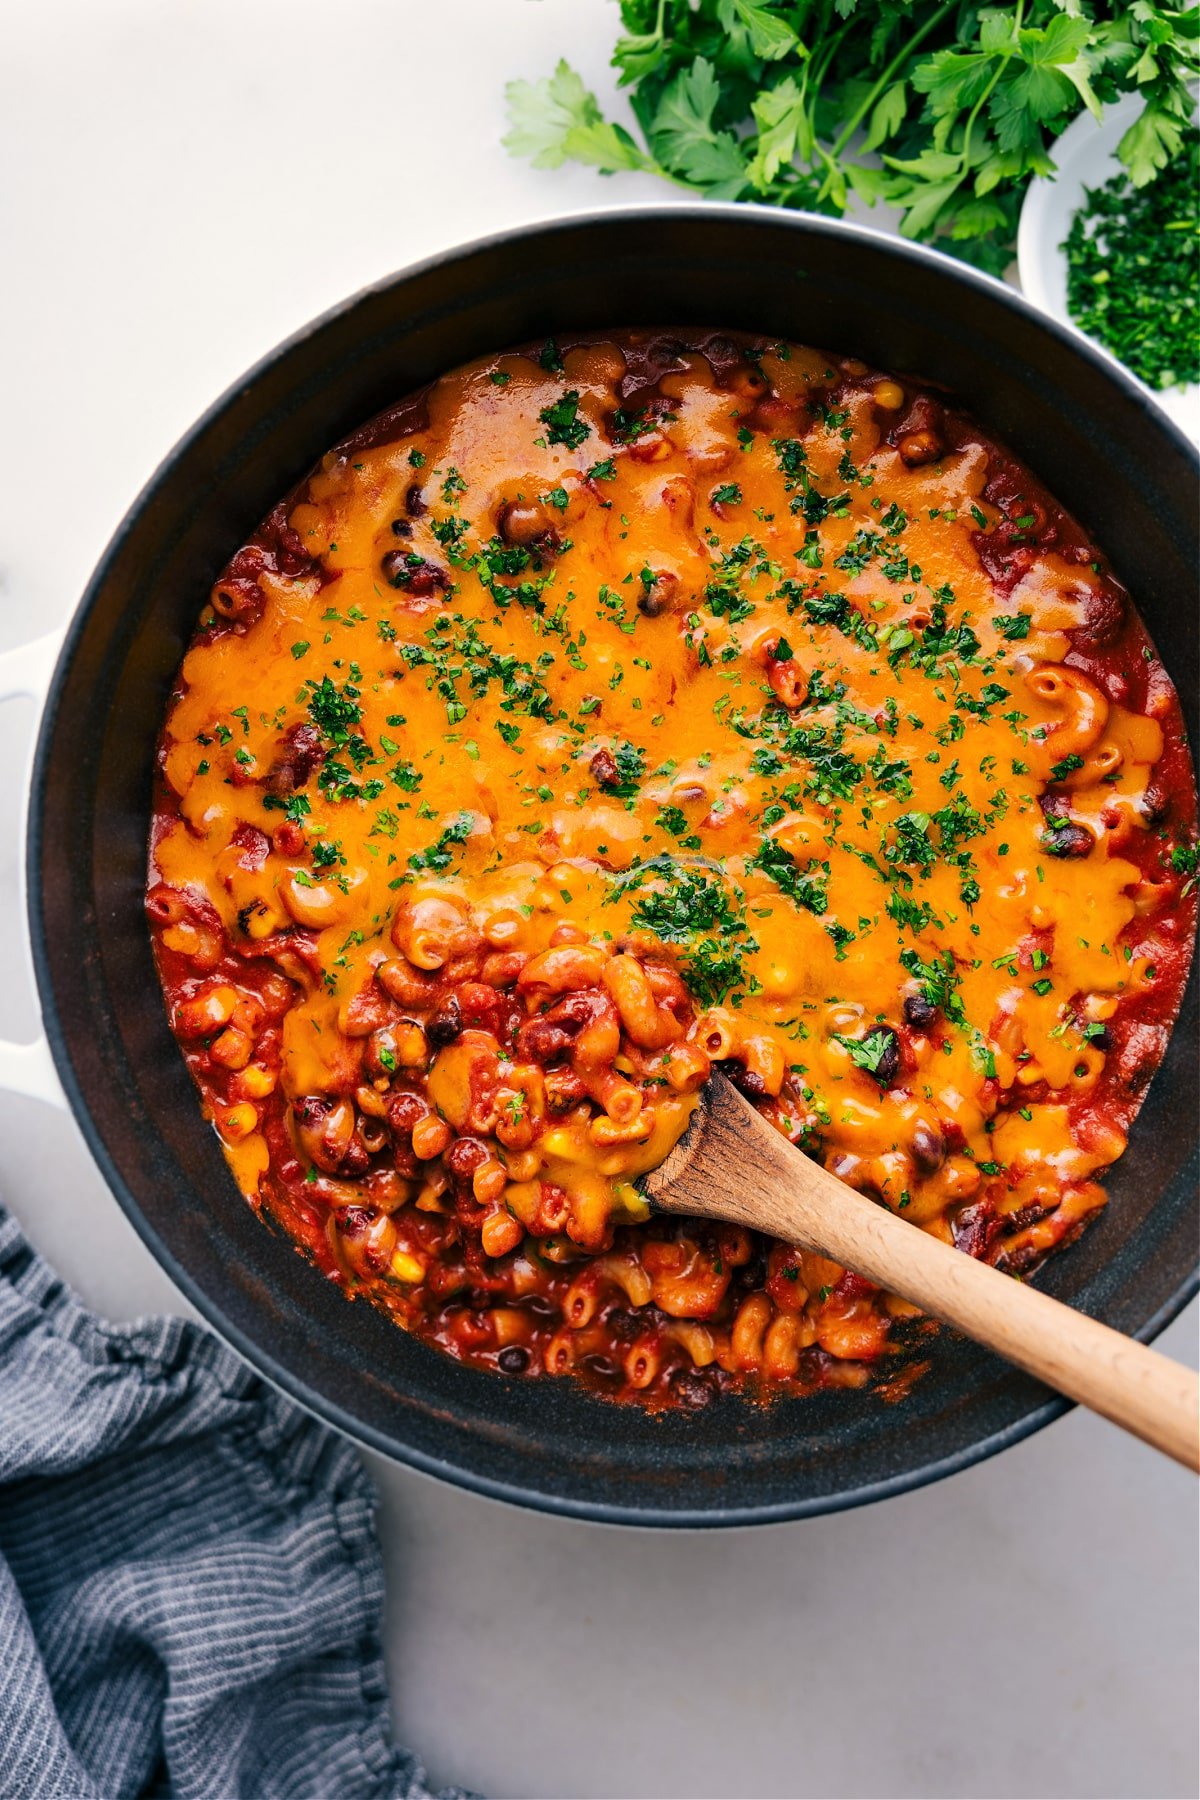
(232, 1049)
(256, 1082)
(236, 1122)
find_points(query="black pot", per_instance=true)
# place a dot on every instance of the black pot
(1084, 425)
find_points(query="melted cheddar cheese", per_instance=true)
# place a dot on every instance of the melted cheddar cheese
(613, 713)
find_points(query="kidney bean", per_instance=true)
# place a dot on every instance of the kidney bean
(411, 573)
(301, 753)
(975, 1228)
(854, 1287)
(918, 447)
(527, 523)
(659, 597)
(1067, 839)
(604, 768)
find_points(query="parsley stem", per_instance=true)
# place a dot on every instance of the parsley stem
(885, 80)
(1004, 59)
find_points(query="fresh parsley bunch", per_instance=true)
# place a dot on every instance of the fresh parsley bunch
(944, 110)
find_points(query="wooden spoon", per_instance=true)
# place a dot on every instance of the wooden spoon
(731, 1164)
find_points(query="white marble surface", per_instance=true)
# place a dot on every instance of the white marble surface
(182, 185)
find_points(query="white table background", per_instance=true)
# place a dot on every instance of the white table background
(185, 182)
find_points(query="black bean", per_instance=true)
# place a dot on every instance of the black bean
(513, 1359)
(747, 1081)
(928, 1149)
(1067, 840)
(446, 1023)
(887, 1066)
(659, 597)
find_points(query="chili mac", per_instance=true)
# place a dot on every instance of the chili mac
(624, 708)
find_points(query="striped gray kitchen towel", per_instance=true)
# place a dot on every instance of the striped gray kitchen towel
(190, 1587)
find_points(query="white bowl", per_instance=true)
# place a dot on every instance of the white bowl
(1086, 155)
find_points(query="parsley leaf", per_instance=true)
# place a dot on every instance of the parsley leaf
(565, 425)
(943, 112)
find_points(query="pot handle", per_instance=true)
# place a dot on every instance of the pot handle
(29, 1069)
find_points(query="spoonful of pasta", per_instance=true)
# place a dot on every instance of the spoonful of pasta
(732, 1165)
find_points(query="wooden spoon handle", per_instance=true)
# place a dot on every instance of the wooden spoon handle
(783, 1192)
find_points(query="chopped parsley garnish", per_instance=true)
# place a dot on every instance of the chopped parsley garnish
(333, 710)
(1012, 625)
(699, 914)
(806, 889)
(630, 770)
(1131, 268)
(439, 855)
(876, 1052)
(938, 981)
(563, 421)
